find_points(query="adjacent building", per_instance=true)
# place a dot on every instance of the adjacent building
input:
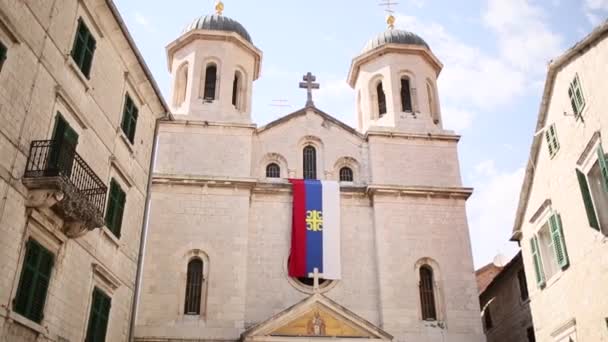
(221, 214)
(504, 300)
(78, 109)
(562, 218)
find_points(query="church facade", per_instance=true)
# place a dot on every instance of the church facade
(218, 238)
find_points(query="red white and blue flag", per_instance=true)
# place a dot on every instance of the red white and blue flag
(315, 232)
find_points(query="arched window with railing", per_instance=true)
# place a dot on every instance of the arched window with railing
(309, 162)
(346, 174)
(273, 170)
(210, 82)
(427, 294)
(194, 287)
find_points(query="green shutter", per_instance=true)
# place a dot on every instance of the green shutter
(83, 48)
(601, 157)
(582, 181)
(116, 204)
(129, 118)
(98, 317)
(549, 145)
(34, 281)
(538, 264)
(559, 243)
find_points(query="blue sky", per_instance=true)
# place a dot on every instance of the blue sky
(494, 52)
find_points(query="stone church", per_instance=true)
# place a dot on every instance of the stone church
(218, 238)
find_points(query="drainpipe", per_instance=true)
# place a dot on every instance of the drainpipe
(144, 228)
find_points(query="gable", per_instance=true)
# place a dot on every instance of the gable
(316, 316)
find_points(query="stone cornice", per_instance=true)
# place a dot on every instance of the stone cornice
(203, 123)
(282, 186)
(428, 136)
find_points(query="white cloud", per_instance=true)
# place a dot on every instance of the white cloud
(456, 118)
(491, 211)
(525, 38)
(144, 22)
(595, 10)
(337, 98)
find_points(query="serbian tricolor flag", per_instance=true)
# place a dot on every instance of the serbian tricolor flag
(315, 231)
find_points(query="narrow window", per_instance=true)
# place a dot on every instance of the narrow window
(210, 82)
(116, 207)
(34, 281)
(427, 294)
(129, 118)
(577, 99)
(487, 318)
(530, 333)
(63, 148)
(84, 48)
(406, 95)
(310, 162)
(523, 285)
(381, 100)
(181, 85)
(236, 90)
(346, 174)
(273, 171)
(98, 317)
(550, 246)
(3, 54)
(552, 142)
(194, 286)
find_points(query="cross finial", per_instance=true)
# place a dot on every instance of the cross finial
(219, 7)
(390, 18)
(315, 275)
(309, 85)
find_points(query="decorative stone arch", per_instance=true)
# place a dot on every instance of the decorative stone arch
(437, 287)
(406, 73)
(317, 143)
(273, 158)
(349, 162)
(180, 87)
(241, 89)
(433, 101)
(373, 96)
(210, 61)
(184, 259)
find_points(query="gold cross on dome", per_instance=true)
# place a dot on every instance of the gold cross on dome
(219, 7)
(390, 18)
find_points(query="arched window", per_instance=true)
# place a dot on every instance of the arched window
(273, 171)
(236, 89)
(406, 95)
(181, 84)
(432, 103)
(427, 294)
(310, 162)
(210, 82)
(346, 174)
(381, 100)
(194, 287)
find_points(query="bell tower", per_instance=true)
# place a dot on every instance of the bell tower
(213, 65)
(395, 80)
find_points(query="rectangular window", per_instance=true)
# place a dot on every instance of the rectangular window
(129, 118)
(552, 142)
(594, 190)
(577, 99)
(523, 286)
(34, 281)
(99, 317)
(84, 48)
(116, 207)
(549, 250)
(3, 54)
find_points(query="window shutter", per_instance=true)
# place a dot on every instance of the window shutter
(88, 54)
(28, 275)
(110, 213)
(42, 284)
(582, 181)
(538, 265)
(549, 144)
(99, 316)
(119, 213)
(601, 157)
(559, 243)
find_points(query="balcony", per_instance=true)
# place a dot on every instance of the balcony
(59, 179)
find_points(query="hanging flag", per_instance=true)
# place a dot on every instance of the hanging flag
(315, 231)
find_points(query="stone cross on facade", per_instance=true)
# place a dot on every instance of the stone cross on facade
(315, 275)
(309, 85)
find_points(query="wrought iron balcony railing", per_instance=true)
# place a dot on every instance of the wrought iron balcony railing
(56, 163)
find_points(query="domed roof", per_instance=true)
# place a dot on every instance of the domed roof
(219, 23)
(393, 36)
